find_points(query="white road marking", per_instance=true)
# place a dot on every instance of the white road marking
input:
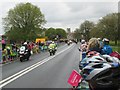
(28, 69)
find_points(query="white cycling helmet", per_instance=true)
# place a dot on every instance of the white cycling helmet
(53, 42)
(105, 40)
(83, 41)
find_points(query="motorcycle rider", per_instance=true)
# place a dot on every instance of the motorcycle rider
(52, 45)
(26, 50)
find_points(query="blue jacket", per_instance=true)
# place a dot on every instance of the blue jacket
(107, 50)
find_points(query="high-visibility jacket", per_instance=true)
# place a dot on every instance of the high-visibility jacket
(52, 45)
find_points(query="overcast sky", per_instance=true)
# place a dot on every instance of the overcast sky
(65, 13)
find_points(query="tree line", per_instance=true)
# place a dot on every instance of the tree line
(107, 27)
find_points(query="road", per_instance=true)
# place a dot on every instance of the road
(42, 71)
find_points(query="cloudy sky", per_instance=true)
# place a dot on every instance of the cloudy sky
(65, 13)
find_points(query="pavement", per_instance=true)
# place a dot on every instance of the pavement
(0, 55)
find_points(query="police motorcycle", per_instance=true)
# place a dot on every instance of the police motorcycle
(24, 53)
(68, 43)
(52, 50)
(101, 72)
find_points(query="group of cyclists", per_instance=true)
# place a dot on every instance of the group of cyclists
(98, 67)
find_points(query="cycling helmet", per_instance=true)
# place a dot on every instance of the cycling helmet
(105, 76)
(108, 58)
(101, 74)
(105, 40)
(94, 59)
(83, 41)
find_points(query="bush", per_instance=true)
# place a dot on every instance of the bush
(115, 47)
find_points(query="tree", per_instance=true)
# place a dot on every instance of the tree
(85, 29)
(53, 33)
(77, 34)
(50, 33)
(107, 27)
(97, 31)
(61, 33)
(23, 20)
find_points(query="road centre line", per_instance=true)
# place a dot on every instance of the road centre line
(28, 69)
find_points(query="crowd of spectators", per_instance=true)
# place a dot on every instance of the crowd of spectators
(10, 52)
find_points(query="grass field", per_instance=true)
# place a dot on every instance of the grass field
(115, 47)
(0, 45)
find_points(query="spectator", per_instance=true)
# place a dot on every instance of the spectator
(9, 53)
(106, 48)
(83, 46)
(94, 45)
(4, 54)
(13, 46)
(101, 42)
(3, 43)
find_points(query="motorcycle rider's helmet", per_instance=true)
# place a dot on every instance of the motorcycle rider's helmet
(101, 75)
(53, 42)
(25, 43)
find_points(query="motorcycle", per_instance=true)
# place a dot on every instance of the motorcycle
(24, 54)
(52, 51)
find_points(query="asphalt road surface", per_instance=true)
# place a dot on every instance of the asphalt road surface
(42, 70)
